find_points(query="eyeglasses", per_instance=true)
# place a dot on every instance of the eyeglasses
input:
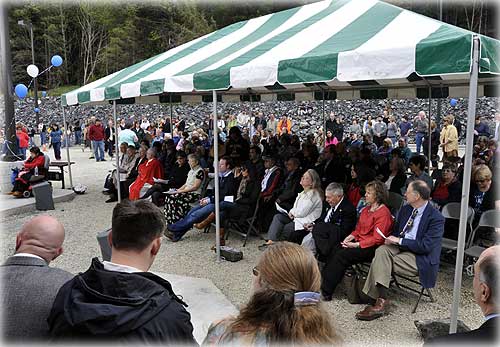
(255, 271)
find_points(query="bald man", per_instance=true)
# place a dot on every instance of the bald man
(486, 294)
(29, 285)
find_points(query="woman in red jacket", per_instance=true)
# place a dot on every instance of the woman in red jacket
(375, 219)
(24, 138)
(148, 170)
(36, 160)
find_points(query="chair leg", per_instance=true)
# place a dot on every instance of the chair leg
(418, 300)
(431, 298)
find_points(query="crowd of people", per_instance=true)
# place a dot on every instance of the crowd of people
(322, 201)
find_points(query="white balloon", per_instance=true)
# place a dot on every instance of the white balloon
(32, 70)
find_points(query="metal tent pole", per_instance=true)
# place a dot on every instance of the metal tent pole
(216, 178)
(117, 149)
(67, 148)
(465, 185)
(171, 113)
(429, 151)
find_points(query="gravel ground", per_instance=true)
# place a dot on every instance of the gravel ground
(88, 214)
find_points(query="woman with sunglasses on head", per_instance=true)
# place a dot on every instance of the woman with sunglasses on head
(285, 306)
(483, 194)
(447, 188)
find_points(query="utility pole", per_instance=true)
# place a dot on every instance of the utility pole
(6, 86)
(35, 82)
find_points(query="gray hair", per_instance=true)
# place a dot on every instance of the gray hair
(488, 274)
(335, 189)
(193, 157)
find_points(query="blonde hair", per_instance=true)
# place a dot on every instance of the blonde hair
(284, 269)
(482, 172)
(316, 182)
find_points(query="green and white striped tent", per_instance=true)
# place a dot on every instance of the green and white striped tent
(338, 43)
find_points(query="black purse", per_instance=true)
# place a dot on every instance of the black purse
(353, 284)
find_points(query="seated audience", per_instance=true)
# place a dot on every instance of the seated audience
(397, 176)
(269, 184)
(176, 179)
(206, 207)
(287, 192)
(447, 188)
(119, 300)
(413, 249)
(482, 195)
(361, 244)
(285, 307)
(337, 220)
(29, 285)
(306, 209)
(361, 175)
(36, 162)
(148, 170)
(127, 164)
(178, 201)
(486, 294)
(417, 167)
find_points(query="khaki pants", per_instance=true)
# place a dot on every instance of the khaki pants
(389, 259)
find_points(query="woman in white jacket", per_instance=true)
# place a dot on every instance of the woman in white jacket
(305, 210)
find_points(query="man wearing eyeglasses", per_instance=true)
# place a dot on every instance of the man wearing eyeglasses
(413, 249)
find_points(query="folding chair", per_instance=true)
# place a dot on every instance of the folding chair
(394, 202)
(489, 219)
(452, 211)
(245, 226)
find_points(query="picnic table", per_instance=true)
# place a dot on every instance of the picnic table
(58, 176)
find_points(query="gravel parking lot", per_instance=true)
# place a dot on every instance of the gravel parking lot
(87, 214)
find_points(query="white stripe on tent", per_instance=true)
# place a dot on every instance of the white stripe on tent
(163, 56)
(133, 89)
(301, 15)
(179, 84)
(253, 73)
(390, 53)
(72, 97)
(97, 94)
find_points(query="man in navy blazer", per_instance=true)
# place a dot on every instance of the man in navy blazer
(413, 249)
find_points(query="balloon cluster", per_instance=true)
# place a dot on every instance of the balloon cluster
(21, 90)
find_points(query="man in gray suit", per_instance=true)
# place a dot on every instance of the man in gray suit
(29, 285)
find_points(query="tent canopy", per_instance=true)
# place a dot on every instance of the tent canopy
(337, 43)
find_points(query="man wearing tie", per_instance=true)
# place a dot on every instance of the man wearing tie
(337, 220)
(413, 249)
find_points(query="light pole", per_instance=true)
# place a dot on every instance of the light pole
(35, 83)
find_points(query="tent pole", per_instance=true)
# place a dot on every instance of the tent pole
(323, 111)
(171, 113)
(465, 185)
(117, 150)
(216, 178)
(67, 148)
(429, 151)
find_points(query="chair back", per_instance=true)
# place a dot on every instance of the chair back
(490, 219)
(452, 211)
(204, 183)
(394, 202)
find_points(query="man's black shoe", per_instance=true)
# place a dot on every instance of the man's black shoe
(112, 199)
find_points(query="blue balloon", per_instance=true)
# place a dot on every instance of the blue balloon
(44, 93)
(453, 102)
(36, 110)
(56, 60)
(21, 91)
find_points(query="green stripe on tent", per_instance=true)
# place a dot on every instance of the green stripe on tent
(490, 49)
(152, 87)
(274, 22)
(212, 80)
(445, 51)
(112, 93)
(320, 64)
(185, 52)
(200, 79)
(83, 97)
(126, 72)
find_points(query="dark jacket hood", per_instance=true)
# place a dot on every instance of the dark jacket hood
(102, 302)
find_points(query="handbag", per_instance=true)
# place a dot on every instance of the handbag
(353, 284)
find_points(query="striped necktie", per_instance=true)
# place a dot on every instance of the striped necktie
(409, 224)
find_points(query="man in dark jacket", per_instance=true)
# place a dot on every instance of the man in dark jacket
(485, 286)
(288, 191)
(119, 300)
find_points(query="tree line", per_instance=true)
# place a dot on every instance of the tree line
(96, 39)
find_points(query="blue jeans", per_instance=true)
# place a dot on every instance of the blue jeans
(196, 215)
(98, 147)
(57, 150)
(418, 139)
(78, 137)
